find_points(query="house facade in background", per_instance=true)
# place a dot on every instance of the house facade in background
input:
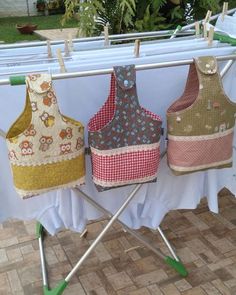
(18, 8)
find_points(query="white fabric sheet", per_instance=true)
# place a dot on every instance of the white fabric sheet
(80, 98)
(10, 62)
(226, 26)
(96, 61)
(26, 53)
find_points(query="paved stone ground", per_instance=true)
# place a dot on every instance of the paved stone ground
(205, 242)
(57, 34)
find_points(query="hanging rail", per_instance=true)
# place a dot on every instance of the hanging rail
(13, 59)
(187, 27)
(112, 37)
(117, 37)
(20, 80)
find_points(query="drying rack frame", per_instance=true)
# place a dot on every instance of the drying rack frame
(118, 37)
(173, 261)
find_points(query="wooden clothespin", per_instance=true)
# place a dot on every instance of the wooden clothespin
(208, 16)
(106, 35)
(66, 50)
(197, 29)
(210, 36)
(61, 61)
(49, 49)
(71, 46)
(206, 20)
(137, 48)
(205, 33)
(224, 10)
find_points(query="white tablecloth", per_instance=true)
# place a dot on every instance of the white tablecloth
(80, 98)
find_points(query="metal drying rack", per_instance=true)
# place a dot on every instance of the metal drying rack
(173, 260)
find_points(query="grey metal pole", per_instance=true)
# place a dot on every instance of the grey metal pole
(140, 238)
(138, 68)
(226, 68)
(118, 37)
(43, 262)
(168, 244)
(104, 231)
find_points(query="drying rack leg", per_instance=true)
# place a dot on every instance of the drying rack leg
(173, 262)
(59, 289)
(168, 244)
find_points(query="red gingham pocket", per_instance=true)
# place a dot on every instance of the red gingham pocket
(125, 168)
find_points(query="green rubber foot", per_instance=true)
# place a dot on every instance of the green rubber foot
(56, 291)
(39, 230)
(177, 265)
(17, 80)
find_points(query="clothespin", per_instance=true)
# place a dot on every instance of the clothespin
(178, 29)
(210, 36)
(49, 49)
(197, 29)
(66, 50)
(61, 61)
(224, 10)
(137, 48)
(71, 46)
(205, 34)
(106, 35)
(206, 20)
(208, 16)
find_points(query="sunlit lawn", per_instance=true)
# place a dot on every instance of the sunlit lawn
(9, 33)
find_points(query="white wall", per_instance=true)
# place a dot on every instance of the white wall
(17, 7)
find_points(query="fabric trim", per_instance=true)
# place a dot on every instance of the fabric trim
(201, 137)
(126, 149)
(200, 167)
(51, 160)
(29, 194)
(119, 183)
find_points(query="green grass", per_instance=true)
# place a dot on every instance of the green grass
(9, 33)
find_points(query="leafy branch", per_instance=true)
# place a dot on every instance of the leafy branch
(137, 15)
